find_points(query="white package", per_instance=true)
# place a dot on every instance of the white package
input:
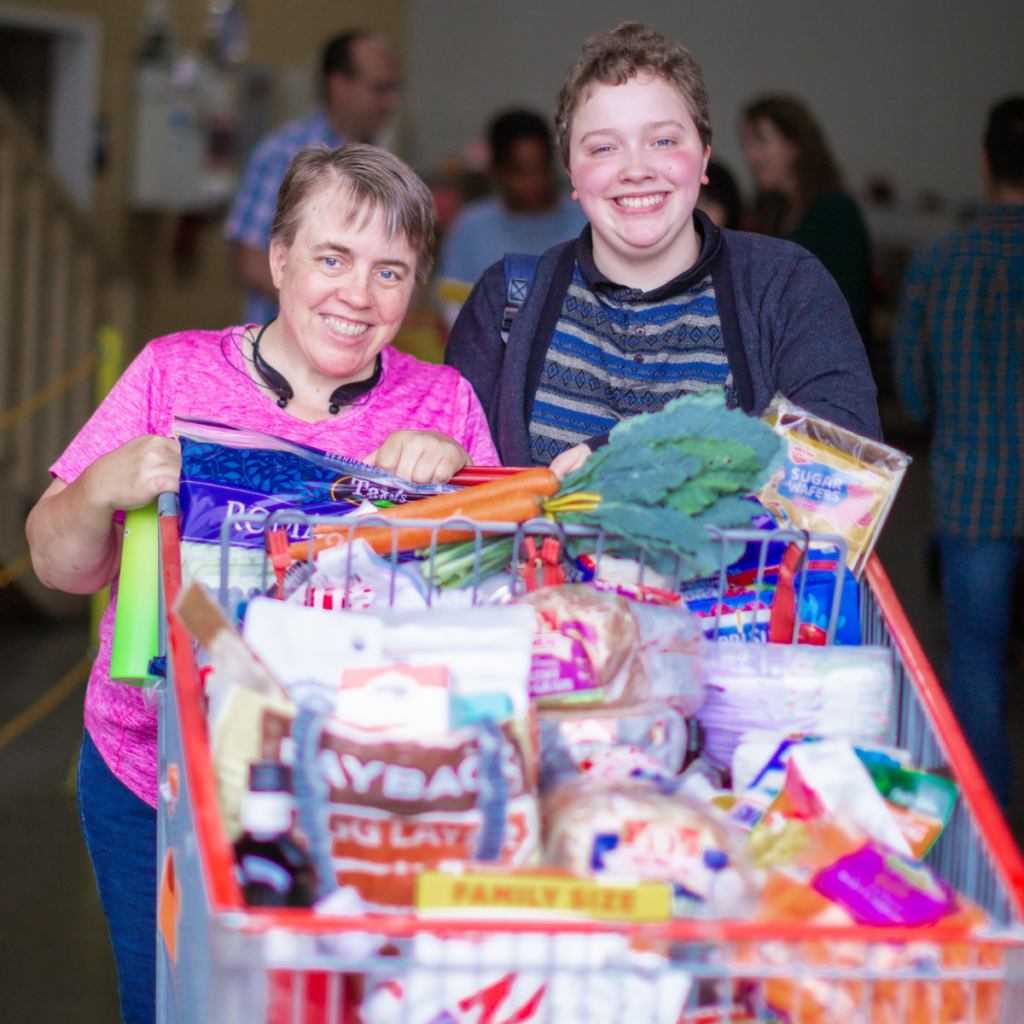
(308, 649)
(837, 777)
(486, 649)
(571, 979)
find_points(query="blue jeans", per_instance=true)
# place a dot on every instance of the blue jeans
(977, 587)
(120, 832)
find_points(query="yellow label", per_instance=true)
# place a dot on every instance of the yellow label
(604, 901)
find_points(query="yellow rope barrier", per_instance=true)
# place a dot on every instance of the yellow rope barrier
(9, 573)
(63, 383)
(66, 686)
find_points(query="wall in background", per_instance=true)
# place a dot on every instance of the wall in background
(901, 86)
(285, 39)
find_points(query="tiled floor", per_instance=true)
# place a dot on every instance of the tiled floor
(56, 966)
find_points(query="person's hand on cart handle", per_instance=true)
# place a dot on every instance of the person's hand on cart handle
(422, 456)
(135, 474)
(75, 543)
(569, 461)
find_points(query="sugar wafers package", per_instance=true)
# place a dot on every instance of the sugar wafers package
(833, 480)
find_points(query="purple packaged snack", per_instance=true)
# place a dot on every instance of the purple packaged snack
(880, 887)
(226, 471)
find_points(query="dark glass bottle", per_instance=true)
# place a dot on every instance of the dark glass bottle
(272, 868)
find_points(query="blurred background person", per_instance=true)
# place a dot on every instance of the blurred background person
(801, 197)
(359, 87)
(527, 214)
(720, 197)
(959, 359)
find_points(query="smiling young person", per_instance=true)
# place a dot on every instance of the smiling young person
(353, 231)
(652, 300)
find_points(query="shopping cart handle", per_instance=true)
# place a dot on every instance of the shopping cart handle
(469, 476)
(167, 504)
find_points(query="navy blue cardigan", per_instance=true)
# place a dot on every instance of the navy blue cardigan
(785, 325)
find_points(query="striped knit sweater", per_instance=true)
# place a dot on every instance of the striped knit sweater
(616, 354)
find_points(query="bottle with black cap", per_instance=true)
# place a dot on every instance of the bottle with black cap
(272, 868)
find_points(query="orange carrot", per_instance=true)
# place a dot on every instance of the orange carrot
(503, 509)
(466, 501)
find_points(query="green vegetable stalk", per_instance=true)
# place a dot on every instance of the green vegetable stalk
(453, 563)
(664, 477)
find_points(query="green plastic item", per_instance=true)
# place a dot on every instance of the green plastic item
(136, 619)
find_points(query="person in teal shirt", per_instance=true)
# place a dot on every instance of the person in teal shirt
(801, 197)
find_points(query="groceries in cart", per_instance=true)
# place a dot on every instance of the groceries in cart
(228, 472)
(665, 477)
(409, 734)
(273, 868)
(833, 480)
(531, 701)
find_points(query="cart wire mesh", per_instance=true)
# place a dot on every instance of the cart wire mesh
(235, 964)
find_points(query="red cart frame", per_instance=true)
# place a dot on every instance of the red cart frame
(222, 962)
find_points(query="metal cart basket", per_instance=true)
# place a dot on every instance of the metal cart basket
(224, 963)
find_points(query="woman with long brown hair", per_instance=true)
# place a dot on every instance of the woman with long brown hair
(801, 196)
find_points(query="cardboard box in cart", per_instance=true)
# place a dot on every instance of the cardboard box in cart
(223, 963)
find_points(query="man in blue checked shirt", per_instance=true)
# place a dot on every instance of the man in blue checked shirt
(360, 90)
(959, 351)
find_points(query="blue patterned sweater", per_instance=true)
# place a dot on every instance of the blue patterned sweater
(617, 352)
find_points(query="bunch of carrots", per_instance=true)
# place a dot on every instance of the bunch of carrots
(511, 499)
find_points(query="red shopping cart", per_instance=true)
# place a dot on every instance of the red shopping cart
(220, 961)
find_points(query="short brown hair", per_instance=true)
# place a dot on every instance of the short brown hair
(614, 57)
(377, 183)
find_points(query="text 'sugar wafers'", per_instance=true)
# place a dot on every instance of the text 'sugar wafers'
(833, 481)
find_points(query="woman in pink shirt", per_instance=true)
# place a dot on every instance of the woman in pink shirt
(353, 232)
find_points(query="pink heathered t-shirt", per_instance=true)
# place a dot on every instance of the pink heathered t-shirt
(202, 375)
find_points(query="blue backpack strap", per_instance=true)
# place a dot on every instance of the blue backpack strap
(520, 270)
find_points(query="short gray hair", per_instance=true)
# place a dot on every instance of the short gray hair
(377, 182)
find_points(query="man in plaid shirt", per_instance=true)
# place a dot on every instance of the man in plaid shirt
(360, 92)
(959, 352)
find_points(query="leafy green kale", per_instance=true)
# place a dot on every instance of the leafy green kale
(703, 416)
(665, 476)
